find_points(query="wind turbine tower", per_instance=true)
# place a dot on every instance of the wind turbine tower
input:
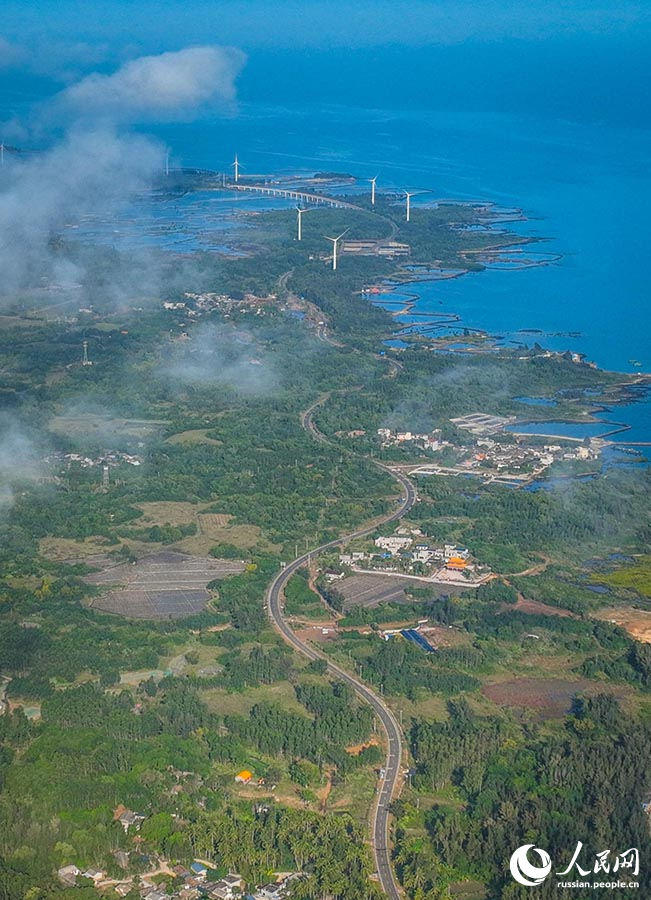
(373, 181)
(408, 196)
(335, 240)
(299, 222)
(167, 163)
(236, 168)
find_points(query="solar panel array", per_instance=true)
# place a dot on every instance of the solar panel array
(174, 604)
(163, 585)
(371, 590)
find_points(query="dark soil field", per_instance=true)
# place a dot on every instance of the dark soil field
(535, 607)
(550, 698)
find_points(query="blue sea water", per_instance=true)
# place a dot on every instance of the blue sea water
(585, 188)
(561, 429)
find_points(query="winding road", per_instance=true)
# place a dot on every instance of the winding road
(275, 607)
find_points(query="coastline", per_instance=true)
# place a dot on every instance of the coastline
(481, 341)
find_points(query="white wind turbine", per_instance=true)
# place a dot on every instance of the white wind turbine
(373, 183)
(299, 221)
(236, 168)
(408, 196)
(334, 247)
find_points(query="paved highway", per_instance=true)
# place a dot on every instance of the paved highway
(389, 785)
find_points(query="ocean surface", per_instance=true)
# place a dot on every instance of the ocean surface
(584, 187)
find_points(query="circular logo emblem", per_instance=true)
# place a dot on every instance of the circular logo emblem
(524, 872)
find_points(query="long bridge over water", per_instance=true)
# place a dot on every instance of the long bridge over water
(291, 194)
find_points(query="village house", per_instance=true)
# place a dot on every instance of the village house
(392, 542)
(95, 875)
(276, 890)
(199, 871)
(189, 892)
(68, 875)
(157, 894)
(180, 871)
(422, 553)
(227, 888)
(128, 818)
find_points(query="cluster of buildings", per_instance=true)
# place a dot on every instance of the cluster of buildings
(520, 458)
(389, 249)
(408, 552)
(108, 458)
(196, 882)
(389, 438)
(406, 546)
(488, 457)
(206, 302)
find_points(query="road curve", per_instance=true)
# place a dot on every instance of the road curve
(274, 604)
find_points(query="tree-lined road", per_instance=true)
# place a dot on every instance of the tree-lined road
(275, 607)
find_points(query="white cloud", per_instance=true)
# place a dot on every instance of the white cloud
(167, 86)
(98, 165)
(89, 172)
(19, 460)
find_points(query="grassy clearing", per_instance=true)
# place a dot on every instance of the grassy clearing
(302, 601)
(58, 549)
(19, 322)
(212, 528)
(224, 702)
(193, 436)
(431, 707)
(355, 795)
(164, 512)
(633, 578)
(104, 427)
(211, 533)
